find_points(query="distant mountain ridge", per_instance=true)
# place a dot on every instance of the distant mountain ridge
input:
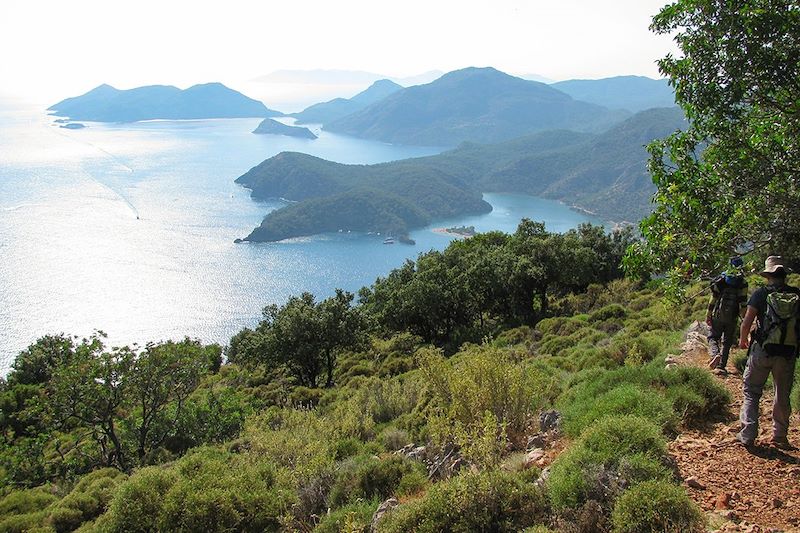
(341, 107)
(632, 93)
(210, 100)
(473, 104)
(601, 173)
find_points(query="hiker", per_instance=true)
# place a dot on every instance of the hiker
(773, 348)
(727, 304)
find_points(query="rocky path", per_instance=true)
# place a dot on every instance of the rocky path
(756, 491)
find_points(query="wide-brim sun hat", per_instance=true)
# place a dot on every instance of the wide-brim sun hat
(774, 264)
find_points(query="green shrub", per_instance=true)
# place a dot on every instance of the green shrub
(305, 397)
(353, 517)
(87, 500)
(136, 506)
(610, 454)
(372, 478)
(394, 439)
(476, 385)
(625, 399)
(714, 399)
(656, 506)
(514, 337)
(18, 502)
(490, 501)
(608, 312)
(25, 523)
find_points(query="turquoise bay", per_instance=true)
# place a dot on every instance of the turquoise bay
(129, 229)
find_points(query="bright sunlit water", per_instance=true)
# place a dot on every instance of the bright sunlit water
(129, 229)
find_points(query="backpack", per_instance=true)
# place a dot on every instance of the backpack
(780, 331)
(727, 305)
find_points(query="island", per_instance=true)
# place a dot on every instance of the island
(460, 231)
(209, 100)
(273, 127)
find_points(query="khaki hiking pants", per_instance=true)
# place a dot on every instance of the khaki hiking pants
(759, 366)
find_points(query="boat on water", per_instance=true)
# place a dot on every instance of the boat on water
(388, 240)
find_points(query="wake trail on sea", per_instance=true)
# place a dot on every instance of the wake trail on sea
(119, 162)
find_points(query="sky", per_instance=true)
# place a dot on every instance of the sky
(52, 49)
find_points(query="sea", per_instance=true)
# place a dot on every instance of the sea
(129, 229)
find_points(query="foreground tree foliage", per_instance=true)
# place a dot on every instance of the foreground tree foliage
(728, 184)
(304, 336)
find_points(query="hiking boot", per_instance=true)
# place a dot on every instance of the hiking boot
(781, 443)
(714, 361)
(720, 371)
(747, 443)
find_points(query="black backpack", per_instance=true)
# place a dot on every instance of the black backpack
(727, 305)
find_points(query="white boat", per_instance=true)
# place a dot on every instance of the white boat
(388, 240)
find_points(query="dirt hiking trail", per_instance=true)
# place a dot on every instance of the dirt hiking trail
(739, 490)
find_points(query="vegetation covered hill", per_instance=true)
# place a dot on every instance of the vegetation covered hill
(429, 390)
(474, 104)
(273, 127)
(210, 100)
(632, 93)
(341, 107)
(332, 196)
(602, 173)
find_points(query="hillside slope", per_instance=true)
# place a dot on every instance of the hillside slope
(474, 104)
(632, 93)
(325, 112)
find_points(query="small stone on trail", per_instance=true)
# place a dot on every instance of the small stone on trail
(723, 502)
(694, 483)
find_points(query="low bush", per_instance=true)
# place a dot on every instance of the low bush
(87, 500)
(207, 490)
(490, 501)
(610, 455)
(18, 502)
(351, 518)
(656, 506)
(366, 478)
(625, 399)
(477, 384)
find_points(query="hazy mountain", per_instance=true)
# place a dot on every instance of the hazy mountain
(603, 173)
(210, 100)
(341, 107)
(273, 127)
(633, 93)
(342, 77)
(473, 104)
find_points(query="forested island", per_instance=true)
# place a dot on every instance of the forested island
(602, 173)
(273, 127)
(210, 100)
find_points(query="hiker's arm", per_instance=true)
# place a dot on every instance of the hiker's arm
(747, 322)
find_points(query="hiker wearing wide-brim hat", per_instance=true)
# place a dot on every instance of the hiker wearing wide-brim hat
(773, 350)
(774, 266)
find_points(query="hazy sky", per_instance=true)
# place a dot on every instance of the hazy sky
(58, 48)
